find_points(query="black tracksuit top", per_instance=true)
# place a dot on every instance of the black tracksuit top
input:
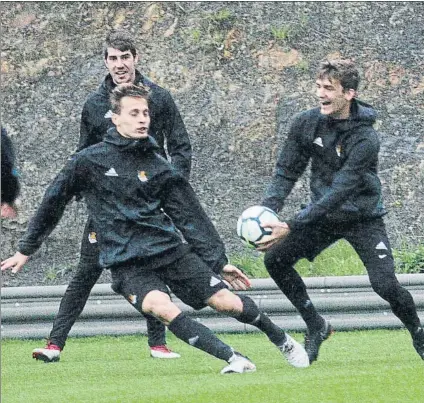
(344, 158)
(166, 123)
(128, 186)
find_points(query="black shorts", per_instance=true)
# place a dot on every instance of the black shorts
(188, 277)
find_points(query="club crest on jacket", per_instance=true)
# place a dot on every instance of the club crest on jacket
(92, 237)
(142, 176)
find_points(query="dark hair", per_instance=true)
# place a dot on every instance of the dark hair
(344, 71)
(127, 90)
(121, 40)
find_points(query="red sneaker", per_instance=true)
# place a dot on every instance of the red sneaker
(50, 353)
(162, 352)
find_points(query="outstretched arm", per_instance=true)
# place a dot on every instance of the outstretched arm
(291, 164)
(181, 203)
(49, 213)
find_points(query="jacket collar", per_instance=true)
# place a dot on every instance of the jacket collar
(146, 144)
(361, 114)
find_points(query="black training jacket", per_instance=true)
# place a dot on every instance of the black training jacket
(166, 122)
(344, 157)
(9, 175)
(128, 187)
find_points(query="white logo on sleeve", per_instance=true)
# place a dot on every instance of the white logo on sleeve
(111, 172)
(214, 281)
(108, 114)
(318, 142)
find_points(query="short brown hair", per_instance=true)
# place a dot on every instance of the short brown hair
(127, 90)
(121, 40)
(344, 71)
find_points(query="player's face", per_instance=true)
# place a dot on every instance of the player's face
(134, 120)
(333, 100)
(121, 65)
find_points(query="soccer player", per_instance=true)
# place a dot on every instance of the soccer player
(338, 139)
(120, 58)
(135, 199)
(9, 177)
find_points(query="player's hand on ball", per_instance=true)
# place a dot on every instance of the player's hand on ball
(280, 230)
(235, 277)
(16, 262)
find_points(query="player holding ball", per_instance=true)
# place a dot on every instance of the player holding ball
(339, 141)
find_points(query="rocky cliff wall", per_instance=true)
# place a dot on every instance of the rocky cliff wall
(238, 72)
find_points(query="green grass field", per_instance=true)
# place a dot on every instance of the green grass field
(354, 367)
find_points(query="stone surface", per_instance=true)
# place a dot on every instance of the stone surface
(238, 72)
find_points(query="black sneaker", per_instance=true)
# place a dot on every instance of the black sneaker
(418, 342)
(313, 340)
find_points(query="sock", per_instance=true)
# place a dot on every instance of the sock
(199, 336)
(155, 331)
(293, 287)
(252, 316)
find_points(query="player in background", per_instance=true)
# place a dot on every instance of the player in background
(9, 177)
(120, 58)
(338, 139)
(136, 200)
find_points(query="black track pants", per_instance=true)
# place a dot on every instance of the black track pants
(368, 238)
(78, 291)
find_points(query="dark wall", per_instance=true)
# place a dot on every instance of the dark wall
(238, 72)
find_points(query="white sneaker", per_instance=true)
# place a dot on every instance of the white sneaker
(295, 354)
(239, 365)
(51, 353)
(163, 352)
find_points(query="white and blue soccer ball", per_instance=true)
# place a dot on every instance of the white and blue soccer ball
(249, 224)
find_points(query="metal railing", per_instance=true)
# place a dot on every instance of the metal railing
(348, 302)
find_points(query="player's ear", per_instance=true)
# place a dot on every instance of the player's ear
(349, 94)
(115, 119)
